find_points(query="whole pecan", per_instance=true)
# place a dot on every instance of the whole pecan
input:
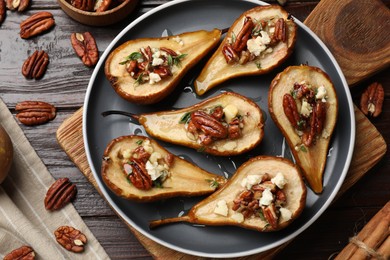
(23, 252)
(270, 215)
(208, 124)
(35, 66)
(2, 11)
(35, 112)
(244, 35)
(19, 5)
(280, 33)
(85, 47)
(140, 177)
(290, 109)
(372, 100)
(70, 238)
(84, 5)
(60, 193)
(36, 24)
(102, 5)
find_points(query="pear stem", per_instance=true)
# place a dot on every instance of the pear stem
(156, 223)
(118, 112)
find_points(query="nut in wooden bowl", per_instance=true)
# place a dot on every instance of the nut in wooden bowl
(90, 12)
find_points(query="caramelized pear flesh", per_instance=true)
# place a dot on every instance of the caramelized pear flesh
(309, 134)
(144, 71)
(171, 176)
(265, 194)
(267, 47)
(238, 129)
(6, 154)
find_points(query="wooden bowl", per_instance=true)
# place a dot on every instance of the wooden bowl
(108, 17)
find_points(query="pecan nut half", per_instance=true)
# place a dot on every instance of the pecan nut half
(102, 5)
(140, 177)
(35, 66)
(85, 47)
(280, 33)
(291, 110)
(19, 5)
(244, 35)
(23, 252)
(60, 193)
(372, 100)
(2, 11)
(84, 5)
(35, 112)
(36, 24)
(208, 124)
(70, 238)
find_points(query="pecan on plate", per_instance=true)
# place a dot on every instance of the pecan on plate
(291, 110)
(244, 35)
(60, 193)
(35, 66)
(140, 177)
(102, 5)
(372, 100)
(35, 112)
(19, 5)
(36, 24)
(85, 47)
(229, 54)
(23, 252)
(280, 34)
(70, 238)
(271, 215)
(2, 11)
(208, 124)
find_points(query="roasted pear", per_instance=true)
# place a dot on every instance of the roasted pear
(6, 154)
(227, 124)
(265, 194)
(137, 168)
(303, 103)
(145, 71)
(258, 41)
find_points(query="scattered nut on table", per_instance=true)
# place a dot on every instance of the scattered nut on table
(71, 239)
(35, 112)
(60, 193)
(36, 24)
(372, 100)
(85, 47)
(23, 252)
(35, 66)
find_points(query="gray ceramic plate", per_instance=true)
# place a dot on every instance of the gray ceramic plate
(182, 16)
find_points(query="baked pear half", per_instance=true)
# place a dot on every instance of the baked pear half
(225, 125)
(265, 194)
(144, 71)
(303, 103)
(139, 169)
(257, 42)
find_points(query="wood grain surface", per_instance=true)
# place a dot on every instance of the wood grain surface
(64, 85)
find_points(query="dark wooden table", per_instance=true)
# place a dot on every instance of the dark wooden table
(64, 85)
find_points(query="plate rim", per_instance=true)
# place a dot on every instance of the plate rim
(124, 217)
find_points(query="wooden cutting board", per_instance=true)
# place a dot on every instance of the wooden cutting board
(370, 146)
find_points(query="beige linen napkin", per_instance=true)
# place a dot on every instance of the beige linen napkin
(23, 217)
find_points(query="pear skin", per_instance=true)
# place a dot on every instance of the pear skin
(206, 213)
(184, 179)
(193, 45)
(312, 159)
(217, 70)
(166, 126)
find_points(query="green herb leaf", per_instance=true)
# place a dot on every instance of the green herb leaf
(201, 149)
(234, 37)
(303, 148)
(170, 60)
(139, 80)
(185, 118)
(258, 64)
(132, 56)
(213, 183)
(139, 142)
